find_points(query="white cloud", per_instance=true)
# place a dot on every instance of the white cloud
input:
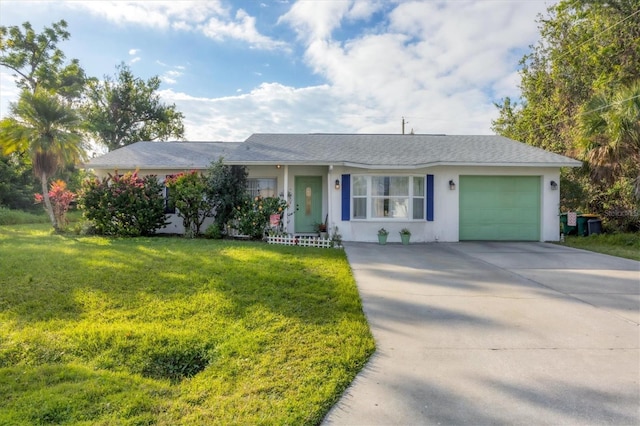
(438, 62)
(317, 20)
(242, 27)
(440, 65)
(507, 85)
(210, 17)
(134, 52)
(171, 76)
(271, 107)
(363, 9)
(155, 14)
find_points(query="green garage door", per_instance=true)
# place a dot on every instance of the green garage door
(505, 208)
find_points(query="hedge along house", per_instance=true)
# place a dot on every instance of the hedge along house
(441, 187)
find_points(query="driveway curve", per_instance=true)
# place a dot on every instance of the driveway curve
(495, 333)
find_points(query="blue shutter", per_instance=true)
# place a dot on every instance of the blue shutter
(430, 198)
(346, 197)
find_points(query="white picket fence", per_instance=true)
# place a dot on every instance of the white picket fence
(300, 240)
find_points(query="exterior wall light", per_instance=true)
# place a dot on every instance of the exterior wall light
(337, 183)
(278, 166)
(452, 185)
(554, 185)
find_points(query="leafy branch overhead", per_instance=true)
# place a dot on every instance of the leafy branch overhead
(125, 109)
(37, 62)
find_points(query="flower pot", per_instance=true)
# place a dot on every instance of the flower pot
(382, 239)
(405, 238)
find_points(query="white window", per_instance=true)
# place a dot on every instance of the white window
(360, 201)
(388, 197)
(418, 199)
(263, 187)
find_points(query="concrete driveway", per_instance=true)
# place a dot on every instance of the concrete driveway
(495, 333)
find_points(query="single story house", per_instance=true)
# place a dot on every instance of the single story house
(440, 187)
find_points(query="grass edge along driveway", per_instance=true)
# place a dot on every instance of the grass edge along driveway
(173, 331)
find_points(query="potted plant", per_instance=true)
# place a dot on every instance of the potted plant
(405, 235)
(382, 236)
(321, 228)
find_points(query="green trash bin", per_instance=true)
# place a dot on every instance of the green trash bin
(583, 221)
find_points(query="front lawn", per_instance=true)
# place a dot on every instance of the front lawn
(621, 245)
(173, 331)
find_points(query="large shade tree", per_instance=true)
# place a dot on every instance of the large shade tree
(125, 109)
(47, 128)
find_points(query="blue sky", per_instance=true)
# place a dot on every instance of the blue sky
(240, 67)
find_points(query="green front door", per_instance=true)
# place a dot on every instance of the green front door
(308, 200)
(498, 208)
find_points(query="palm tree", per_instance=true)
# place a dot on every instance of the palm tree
(610, 134)
(48, 130)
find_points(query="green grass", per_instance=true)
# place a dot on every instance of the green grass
(173, 331)
(17, 217)
(621, 245)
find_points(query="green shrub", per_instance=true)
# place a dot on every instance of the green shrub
(226, 188)
(126, 205)
(84, 227)
(253, 214)
(17, 183)
(188, 196)
(214, 232)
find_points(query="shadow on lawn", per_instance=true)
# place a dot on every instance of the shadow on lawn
(50, 276)
(163, 306)
(222, 312)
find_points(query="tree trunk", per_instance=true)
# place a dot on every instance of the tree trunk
(47, 202)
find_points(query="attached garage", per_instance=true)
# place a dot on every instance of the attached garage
(500, 208)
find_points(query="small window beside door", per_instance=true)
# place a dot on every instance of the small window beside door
(262, 187)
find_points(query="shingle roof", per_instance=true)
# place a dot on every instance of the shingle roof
(376, 150)
(164, 155)
(358, 150)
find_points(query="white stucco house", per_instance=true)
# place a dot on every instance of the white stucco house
(441, 187)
